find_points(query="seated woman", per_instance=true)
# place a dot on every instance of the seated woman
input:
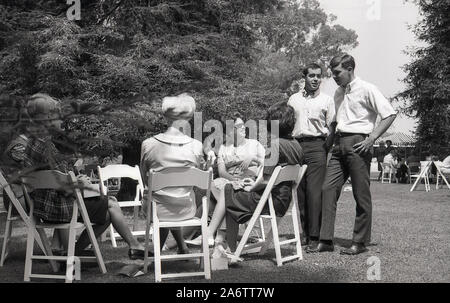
(391, 160)
(240, 204)
(55, 206)
(173, 149)
(238, 158)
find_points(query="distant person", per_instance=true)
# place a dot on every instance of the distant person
(389, 147)
(381, 152)
(390, 162)
(402, 171)
(358, 104)
(413, 163)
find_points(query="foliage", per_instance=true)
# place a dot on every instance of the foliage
(111, 68)
(427, 85)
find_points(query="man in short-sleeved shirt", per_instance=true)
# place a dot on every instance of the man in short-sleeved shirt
(315, 120)
(358, 103)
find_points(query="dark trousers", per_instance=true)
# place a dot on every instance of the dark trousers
(309, 191)
(345, 163)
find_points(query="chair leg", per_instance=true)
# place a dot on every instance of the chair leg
(46, 248)
(157, 252)
(70, 255)
(276, 240)
(244, 238)
(112, 237)
(6, 236)
(147, 239)
(295, 222)
(268, 239)
(261, 228)
(29, 253)
(206, 260)
(135, 217)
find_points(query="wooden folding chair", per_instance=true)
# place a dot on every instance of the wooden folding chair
(117, 171)
(10, 218)
(440, 174)
(292, 173)
(177, 177)
(423, 174)
(51, 179)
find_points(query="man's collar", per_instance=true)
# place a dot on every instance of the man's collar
(351, 85)
(306, 94)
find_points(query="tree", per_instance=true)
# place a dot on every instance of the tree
(427, 86)
(111, 68)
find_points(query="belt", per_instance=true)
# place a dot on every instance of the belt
(309, 139)
(341, 134)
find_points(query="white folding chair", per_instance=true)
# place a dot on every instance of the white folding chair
(387, 169)
(10, 218)
(118, 171)
(293, 173)
(51, 179)
(440, 174)
(423, 174)
(176, 177)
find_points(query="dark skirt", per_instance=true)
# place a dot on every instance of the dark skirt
(96, 208)
(242, 204)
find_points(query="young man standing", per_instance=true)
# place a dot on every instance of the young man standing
(358, 103)
(315, 116)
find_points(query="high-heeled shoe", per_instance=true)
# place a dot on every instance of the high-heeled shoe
(198, 241)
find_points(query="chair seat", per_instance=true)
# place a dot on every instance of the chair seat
(190, 222)
(129, 203)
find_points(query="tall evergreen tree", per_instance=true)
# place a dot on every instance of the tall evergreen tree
(427, 92)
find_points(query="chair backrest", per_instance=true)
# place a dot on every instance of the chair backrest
(386, 165)
(424, 165)
(180, 176)
(120, 171)
(292, 173)
(5, 186)
(49, 179)
(52, 179)
(3, 183)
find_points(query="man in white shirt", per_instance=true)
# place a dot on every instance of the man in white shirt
(358, 103)
(315, 120)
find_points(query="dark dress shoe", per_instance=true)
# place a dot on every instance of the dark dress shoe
(138, 254)
(304, 241)
(355, 249)
(313, 244)
(321, 247)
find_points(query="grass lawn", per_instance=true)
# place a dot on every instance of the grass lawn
(410, 236)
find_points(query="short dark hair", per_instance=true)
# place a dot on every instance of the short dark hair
(345, 60)
(285, 114)
(388, 141)
(312, 66)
